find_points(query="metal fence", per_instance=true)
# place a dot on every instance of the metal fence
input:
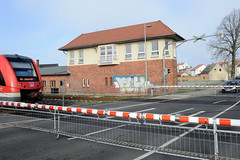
(140, 131)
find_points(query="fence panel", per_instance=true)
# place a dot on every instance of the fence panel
(196, 141)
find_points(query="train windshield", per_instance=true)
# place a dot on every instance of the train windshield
(24, 69)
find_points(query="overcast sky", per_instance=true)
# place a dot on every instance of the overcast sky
(37, 28)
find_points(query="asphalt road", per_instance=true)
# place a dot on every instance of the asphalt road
(18, 143)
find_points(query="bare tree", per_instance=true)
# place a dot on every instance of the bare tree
(227, 46)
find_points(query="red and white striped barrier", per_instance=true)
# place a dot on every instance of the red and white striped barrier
(195, 86)
(135, 115)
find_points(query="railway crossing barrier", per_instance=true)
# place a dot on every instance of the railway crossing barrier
(202, 137)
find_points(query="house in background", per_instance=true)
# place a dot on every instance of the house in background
(198, 69)
(215, 72)
(228, 67)
(115, 60)
(183, 74)
(52, 75)
(238, 69)
(182, 66)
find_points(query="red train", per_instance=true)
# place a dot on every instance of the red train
(20, 79)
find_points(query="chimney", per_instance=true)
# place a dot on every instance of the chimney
(37, 61)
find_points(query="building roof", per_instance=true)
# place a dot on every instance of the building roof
(208, 68)
(181, 63)
(179, 73)
(122, 35)
(53, 70)
(198, 66)
(221, 63)
(48, 65)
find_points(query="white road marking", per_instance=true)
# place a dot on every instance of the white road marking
(227, 109)
(167, 100)
(219, 101)
(134, 105)
(182, 111)
(145, 110)
(200, 112)
(104, 130)
(185, 133)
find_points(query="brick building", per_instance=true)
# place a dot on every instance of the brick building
(52, 75)
(113, 61)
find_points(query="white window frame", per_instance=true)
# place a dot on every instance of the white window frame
(44, 84)
(88, 83)
(155, 51)
(81, 57)
(128, 50)
(141, 53)
(108, 54)
(83, 83)
(53, 84)
(174, 50)
(71, 57)
(166, 48)
(114, 53)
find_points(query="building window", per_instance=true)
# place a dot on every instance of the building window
(71, 60)
(80, 61)
(44, 84)
(108, 54)
(128, 54)
(83, 83)
(109, 50)
(88, 83)
(53, 84)
(166, 48)
(111, 81)
(141, 53)
(106, 81)
(102, 51)
(155, 51)
(114, 52)
(175, 51)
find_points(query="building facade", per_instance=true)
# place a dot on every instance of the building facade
(53, 77)
(124, 60)
(182, 66)
(198, 69)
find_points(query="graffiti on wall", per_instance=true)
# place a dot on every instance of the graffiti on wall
(131, 83)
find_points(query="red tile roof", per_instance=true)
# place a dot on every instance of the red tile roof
(179, 73)
(198, 66)
(122, 35)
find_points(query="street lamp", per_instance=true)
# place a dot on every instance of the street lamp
(220, 34)
(145, 54)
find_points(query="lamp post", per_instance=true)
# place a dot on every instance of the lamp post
(164, 65)
(145, 55)
(220, 34)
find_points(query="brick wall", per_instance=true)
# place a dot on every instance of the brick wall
(100, 77)
(50, 78)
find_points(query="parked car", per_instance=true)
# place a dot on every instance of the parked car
(231, 86)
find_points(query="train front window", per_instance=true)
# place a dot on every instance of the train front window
(24, 69)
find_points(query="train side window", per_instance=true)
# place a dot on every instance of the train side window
(2, 82)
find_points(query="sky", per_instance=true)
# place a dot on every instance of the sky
(37, 28)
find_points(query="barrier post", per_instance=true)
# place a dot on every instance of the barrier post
(215, 139)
